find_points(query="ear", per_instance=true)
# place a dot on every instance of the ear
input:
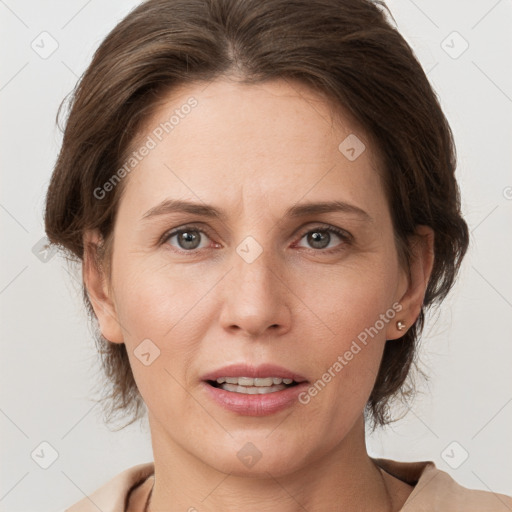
(98, 290)
(422, 259)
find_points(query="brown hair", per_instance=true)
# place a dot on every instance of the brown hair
(346, 50)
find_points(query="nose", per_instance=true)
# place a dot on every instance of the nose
(256, 299)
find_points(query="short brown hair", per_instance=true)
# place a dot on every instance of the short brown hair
(346, 50)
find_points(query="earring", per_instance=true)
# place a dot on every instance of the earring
(400, 325)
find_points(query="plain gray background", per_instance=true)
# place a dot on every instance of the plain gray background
(48, 361)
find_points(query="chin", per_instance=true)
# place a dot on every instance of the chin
(254, 455)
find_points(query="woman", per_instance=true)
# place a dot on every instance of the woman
(262, 195)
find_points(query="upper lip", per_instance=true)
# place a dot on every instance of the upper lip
(247, 370)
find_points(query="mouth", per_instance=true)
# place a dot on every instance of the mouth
(253, 380)
(253, 386)
(254, 391)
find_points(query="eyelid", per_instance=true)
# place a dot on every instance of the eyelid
(344, 235)
(190, 226)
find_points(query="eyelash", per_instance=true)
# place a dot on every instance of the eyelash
(342, 234)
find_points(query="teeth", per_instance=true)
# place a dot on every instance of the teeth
(253, 390)
(248, 381)
(266, 382)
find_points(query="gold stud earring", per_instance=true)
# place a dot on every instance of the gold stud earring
(400, 325)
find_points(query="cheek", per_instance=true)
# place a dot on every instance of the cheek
(355, 314)
(155, 299)
(163, 318)
(352, 298)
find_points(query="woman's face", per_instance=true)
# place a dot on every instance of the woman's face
(262, 286)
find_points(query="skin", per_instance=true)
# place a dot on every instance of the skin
(255, 151)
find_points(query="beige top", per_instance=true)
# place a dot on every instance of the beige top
(434, 490)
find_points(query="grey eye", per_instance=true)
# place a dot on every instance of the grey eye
(319, 239)
(322, 238)
(187, 239)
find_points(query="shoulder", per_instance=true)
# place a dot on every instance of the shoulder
(435, 490)
(113, 495)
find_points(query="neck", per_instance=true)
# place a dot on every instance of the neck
(345, 476)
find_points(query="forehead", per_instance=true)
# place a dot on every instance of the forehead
(230, 143)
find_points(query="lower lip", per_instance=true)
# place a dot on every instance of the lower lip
(256, 405)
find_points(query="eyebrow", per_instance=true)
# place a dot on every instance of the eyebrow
(205, 210)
